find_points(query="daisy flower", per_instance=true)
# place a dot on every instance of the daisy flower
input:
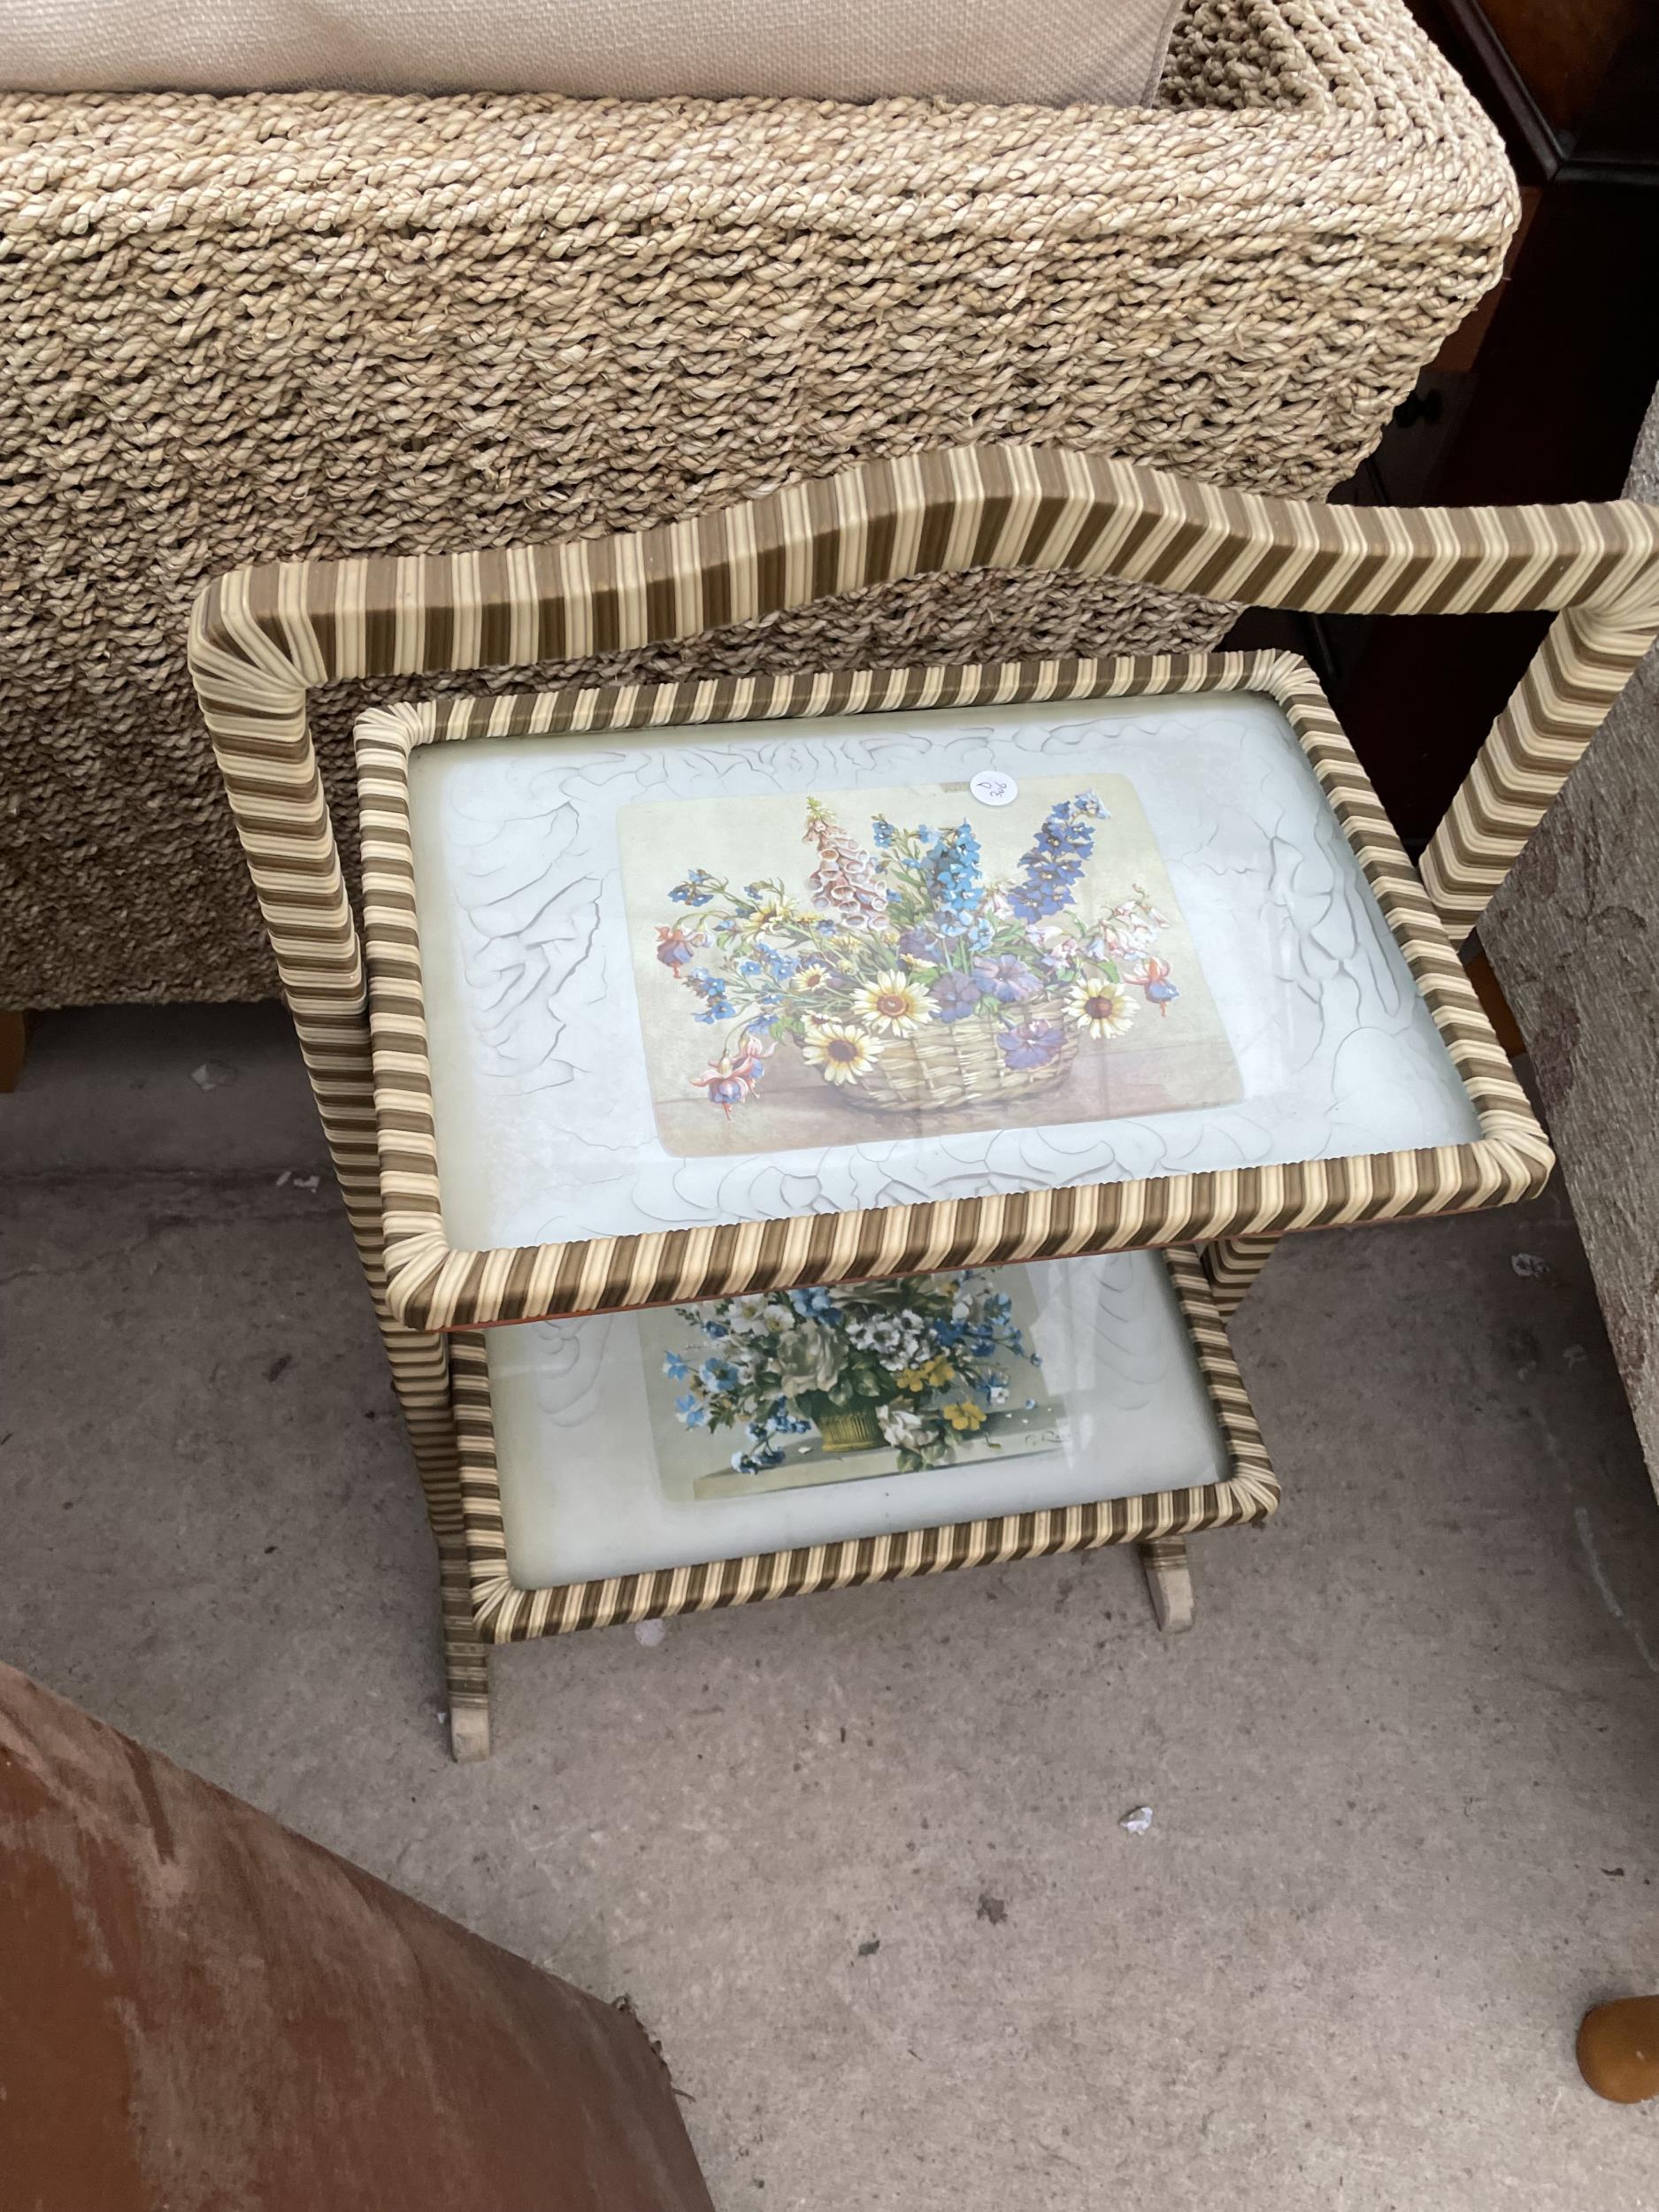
(892, 1004)
(842, 1052)
(1103, 1009)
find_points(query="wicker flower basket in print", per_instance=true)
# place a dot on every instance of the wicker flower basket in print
(958, 1063)
(858, 1432)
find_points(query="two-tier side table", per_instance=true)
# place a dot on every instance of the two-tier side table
(808, 1129)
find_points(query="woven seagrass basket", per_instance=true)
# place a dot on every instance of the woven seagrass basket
(958, 1063)
(481, 319)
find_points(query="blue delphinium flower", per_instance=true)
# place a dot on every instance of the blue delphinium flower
(815, 1303)
(691, 1411)
(1050, 870)
(955, 888)
(881, 834)
(674, 1367)
(956, 996)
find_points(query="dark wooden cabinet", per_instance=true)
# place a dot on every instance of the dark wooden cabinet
(1540, 395)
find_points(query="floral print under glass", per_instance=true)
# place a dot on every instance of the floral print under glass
(902, 938)
(925, 1360)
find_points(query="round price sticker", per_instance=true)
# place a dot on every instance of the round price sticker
(992, 787)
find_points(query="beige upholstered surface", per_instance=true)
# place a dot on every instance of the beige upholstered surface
(326, 323)
(1102, 52)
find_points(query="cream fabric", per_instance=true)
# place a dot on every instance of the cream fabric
(995, 51)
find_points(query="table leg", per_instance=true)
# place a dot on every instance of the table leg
(465, 1660)
(420, 1373)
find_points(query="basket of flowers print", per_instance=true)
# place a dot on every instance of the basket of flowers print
(928, 1365)
(907, 979)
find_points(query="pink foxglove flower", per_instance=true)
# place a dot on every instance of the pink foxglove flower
(845, 881)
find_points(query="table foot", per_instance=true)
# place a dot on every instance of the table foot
(469, 1732)
(465, 1655)
(1169, 1582)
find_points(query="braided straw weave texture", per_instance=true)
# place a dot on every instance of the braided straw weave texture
(328, 324)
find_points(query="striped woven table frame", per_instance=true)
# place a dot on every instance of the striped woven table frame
(263, 637)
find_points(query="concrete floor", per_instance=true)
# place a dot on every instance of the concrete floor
(858, 1860)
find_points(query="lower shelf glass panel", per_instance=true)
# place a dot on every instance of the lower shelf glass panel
(632, 1441)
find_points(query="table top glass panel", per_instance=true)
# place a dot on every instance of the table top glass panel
(681, 977)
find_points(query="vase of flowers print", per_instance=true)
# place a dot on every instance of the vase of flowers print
(906, 978)
(923, 1366)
